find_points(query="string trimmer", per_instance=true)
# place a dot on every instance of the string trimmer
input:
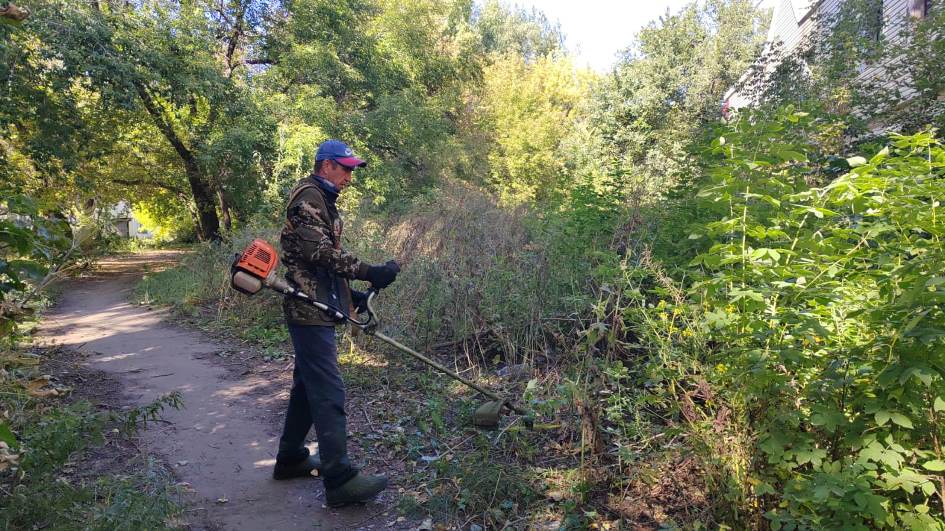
(255, 269)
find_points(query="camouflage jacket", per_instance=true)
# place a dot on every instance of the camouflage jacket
(312, 253)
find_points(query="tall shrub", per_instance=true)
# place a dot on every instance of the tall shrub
(822, 298)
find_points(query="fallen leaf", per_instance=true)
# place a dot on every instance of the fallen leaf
(7, 457)
(557, 495)
(223, 499)
(43, 393)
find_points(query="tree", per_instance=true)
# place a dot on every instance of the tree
(387, 77)
(163, 67)
(670, 83)
(529, 110)
(527, 34)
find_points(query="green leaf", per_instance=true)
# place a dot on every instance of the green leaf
(936, 465)
(928, 488)
(939, 404)
(902, 420)
(791, 156)
(882, 417)
(879, 157)
(739, 294)
(915, 320)
(6, 435)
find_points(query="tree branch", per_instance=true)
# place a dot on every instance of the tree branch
(163, 125)
(234, 39)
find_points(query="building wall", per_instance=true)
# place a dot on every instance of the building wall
(125, 223)
(793, 22)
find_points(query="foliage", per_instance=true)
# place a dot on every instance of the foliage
(516, 31)
(529, 109)
(670, 84)
(816, 300)
(31, 244)
(46, 436)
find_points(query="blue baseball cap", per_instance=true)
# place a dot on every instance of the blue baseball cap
(339, 152)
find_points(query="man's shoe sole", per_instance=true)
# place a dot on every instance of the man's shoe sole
(338, 505)
(350, 501)
(284, 477)
(276, 475)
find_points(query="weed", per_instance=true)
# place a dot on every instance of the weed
(48, 437)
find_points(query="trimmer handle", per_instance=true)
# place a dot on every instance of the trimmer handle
(369, 324)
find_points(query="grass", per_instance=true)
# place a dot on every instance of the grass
(143, 498)
(55, 472)
(480, 300)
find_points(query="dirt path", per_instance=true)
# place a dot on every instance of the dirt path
(223, 442)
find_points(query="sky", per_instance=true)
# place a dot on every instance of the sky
(597, 30)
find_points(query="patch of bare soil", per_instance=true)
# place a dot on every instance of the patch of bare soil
(221, 445)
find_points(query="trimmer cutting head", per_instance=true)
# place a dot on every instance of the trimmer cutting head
(488, 414)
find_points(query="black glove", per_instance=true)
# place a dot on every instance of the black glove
(383, 275)
(359, 300)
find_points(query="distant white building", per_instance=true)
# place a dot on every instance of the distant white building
(125, 223)
(794, 23)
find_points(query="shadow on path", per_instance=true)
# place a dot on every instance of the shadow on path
(220, 442)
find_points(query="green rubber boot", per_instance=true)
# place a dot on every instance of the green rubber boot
(359, 489)
(308, 467)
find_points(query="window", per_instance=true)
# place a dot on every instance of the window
(919, 8)
(877, 20)
(123, 227)
(870, 16)
(802, 8)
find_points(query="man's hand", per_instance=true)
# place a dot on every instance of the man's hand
(383, 275)
(359, 300)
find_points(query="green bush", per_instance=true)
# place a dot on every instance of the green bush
(811, 313)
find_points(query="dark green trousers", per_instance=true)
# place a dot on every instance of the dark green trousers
(317, 399)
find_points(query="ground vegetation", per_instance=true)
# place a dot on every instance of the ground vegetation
(722, 318)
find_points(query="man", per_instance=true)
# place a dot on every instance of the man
(312, 254)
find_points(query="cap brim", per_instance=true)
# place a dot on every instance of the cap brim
(351, 162)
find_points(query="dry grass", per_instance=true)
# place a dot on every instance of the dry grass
(477, 278)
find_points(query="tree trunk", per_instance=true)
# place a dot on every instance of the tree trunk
(225, 209)
(208, 227)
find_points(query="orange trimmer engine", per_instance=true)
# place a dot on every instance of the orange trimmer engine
(255, 268)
